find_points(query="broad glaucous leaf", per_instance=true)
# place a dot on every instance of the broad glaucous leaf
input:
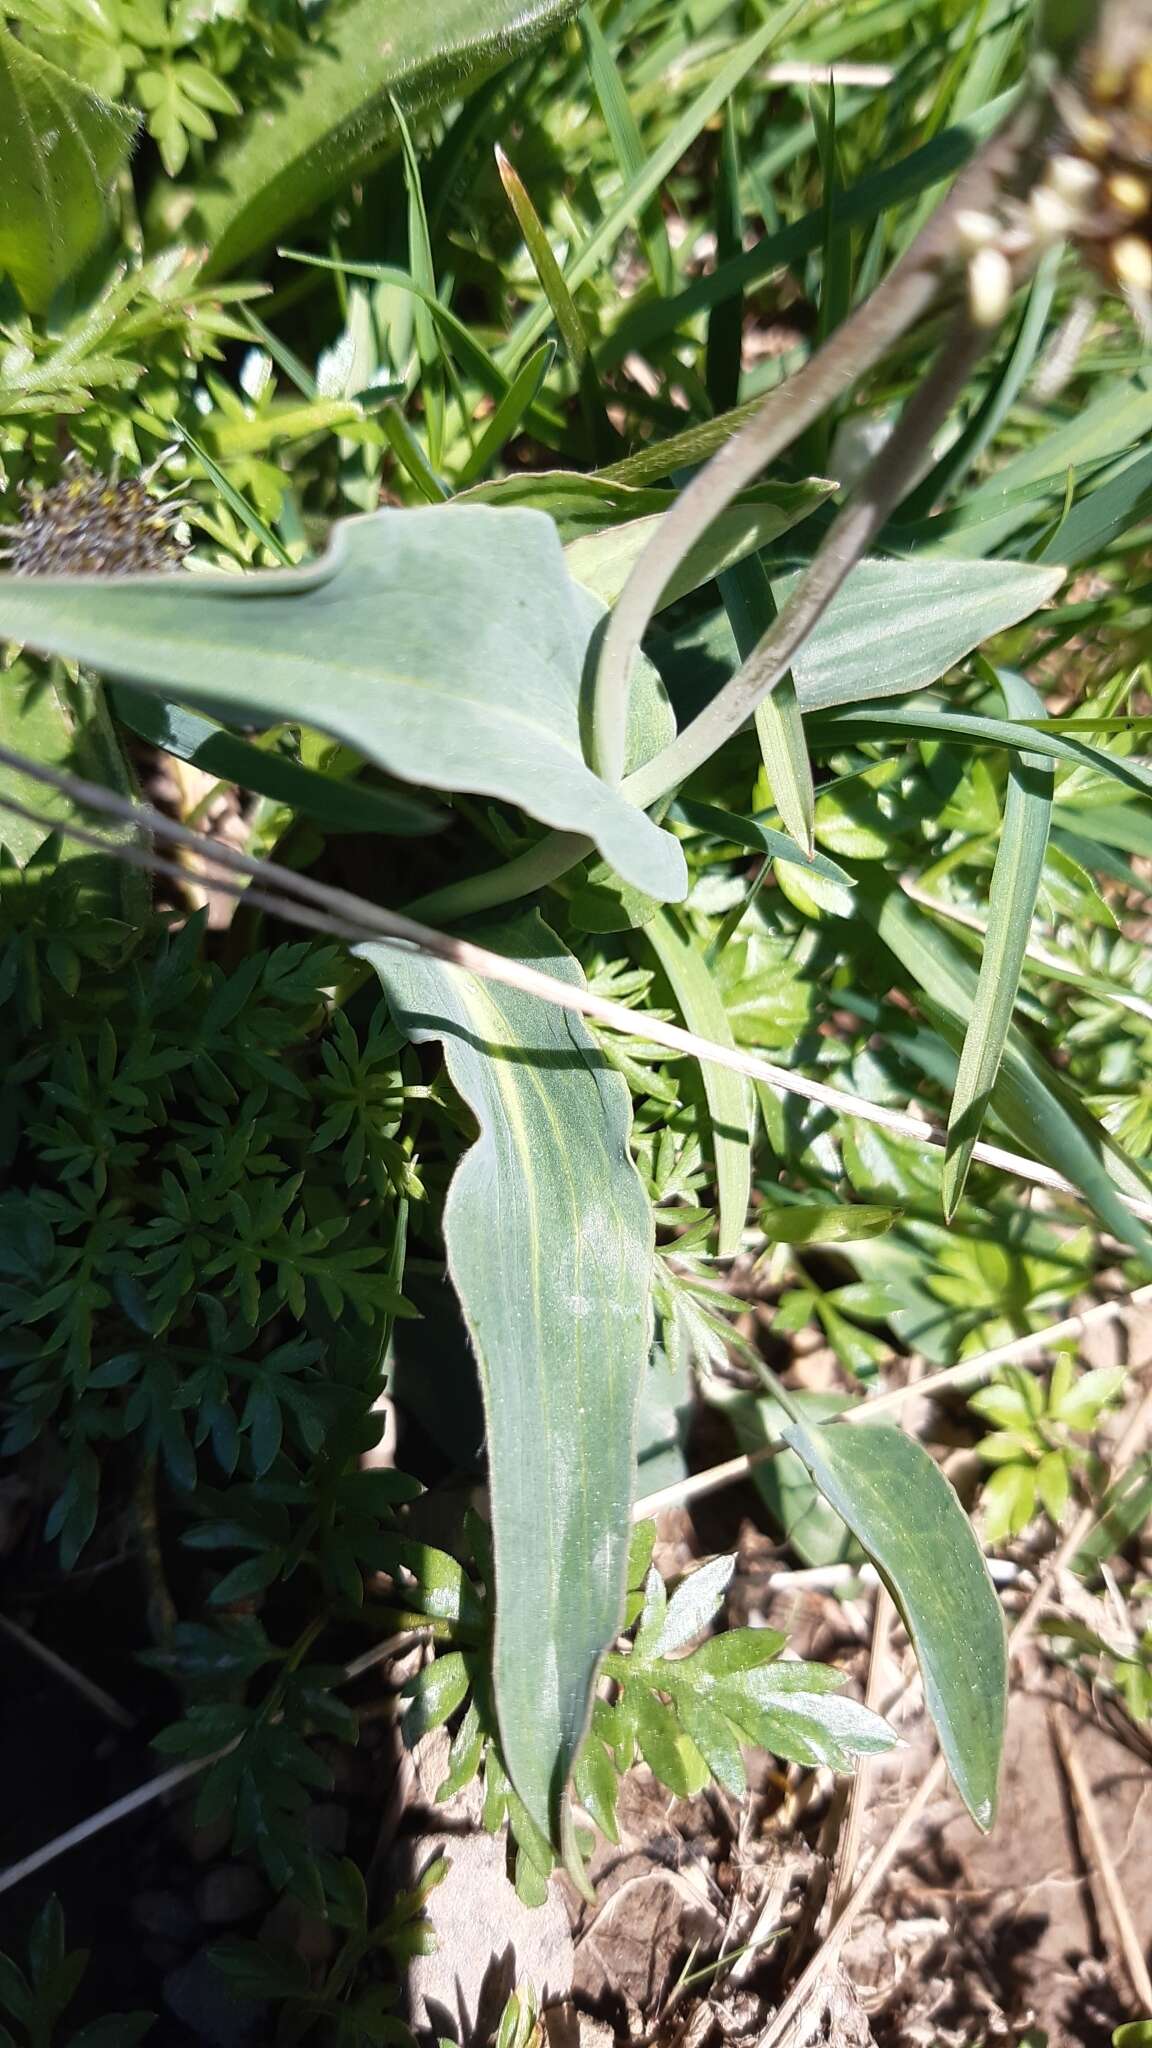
(904, 1513)
(550, 1239)
(336, 117)
(895, 627)
(446, 645)
(60, 148)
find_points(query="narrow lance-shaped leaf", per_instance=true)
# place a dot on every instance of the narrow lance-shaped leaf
(1016, 881)
(751, 609)
(446, 645)
(550, 1239)
(602, 561)
(60, 148)
(564, 308)
(728, 1095)
(895, 627)
(336, 803)
(1027, 1094)
(904, 1513)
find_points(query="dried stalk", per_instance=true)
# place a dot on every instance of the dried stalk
(340, 914)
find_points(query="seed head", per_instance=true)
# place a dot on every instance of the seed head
(90, 525)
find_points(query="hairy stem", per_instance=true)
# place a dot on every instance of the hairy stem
(861, 520)
(903, 297)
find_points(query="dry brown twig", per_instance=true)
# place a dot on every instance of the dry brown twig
(338, 913)
(952, 1378)
(1099, 1857)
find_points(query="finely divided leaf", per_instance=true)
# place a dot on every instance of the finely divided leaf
(447, 645)
(903, 1511)
(550, 1241)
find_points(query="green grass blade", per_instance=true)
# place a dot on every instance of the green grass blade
(651, 322)
(724, 352)
(1027, 1093)
(751, 608)
(627, 142)
(732, 830)
(727, 1094)
(509, 416)
(234, 499)
(661, 162)
(565, 311)
(410, 455)
(1011, 907)
(428, 346)
(832, 728)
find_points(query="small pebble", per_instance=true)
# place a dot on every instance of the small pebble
(291, 1926)
(326, 1826)
(230, 1893)
(165, 1915)
(198, 1995)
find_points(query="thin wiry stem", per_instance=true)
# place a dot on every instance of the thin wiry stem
(341, 914)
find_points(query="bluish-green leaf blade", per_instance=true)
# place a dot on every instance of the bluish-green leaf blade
(747, 598)
(904, 1513)
(728, 1095)
(1012, 897)
(550, 1240)
(896, 627)
(446, 645)
(603, 561)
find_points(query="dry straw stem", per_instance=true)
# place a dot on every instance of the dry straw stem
(802, 2003)
(1100, 1861)
(951, 1378)
(170, 1781)
(340, 914)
